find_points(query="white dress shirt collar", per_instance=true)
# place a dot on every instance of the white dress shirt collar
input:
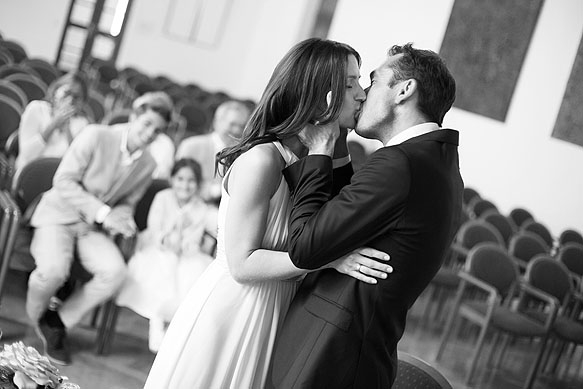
(128, 158)
(412, 132)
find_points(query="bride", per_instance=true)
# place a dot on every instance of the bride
(222, 335)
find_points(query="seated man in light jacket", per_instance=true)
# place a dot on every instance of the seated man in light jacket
(100, 179)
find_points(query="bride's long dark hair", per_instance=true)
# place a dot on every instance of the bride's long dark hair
(296, 95)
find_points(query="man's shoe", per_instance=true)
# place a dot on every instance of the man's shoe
(54, 342)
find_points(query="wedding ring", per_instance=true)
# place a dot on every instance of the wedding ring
(359, 267)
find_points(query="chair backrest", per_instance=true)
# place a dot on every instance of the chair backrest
(106, 70)
(478, 206)
(501, 223)
(46, 71)
(525, 245)
(469, 194)
(17, 51)
(478, 231)
(35, 178)
(14, 92)
(11, 145)
(492, 264)
(6, 57)
(571, 255)
(549, 275)
(143, 206)
(10, 113)
(570, 236)
(32, 86)
(415, 373)
(519, 216)
(540, 230)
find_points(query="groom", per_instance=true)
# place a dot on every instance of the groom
(405, 201)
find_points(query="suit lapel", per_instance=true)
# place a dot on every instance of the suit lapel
(134, 173)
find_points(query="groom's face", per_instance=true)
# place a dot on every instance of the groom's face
(378, 111)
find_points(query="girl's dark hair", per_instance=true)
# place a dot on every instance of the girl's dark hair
(73, 77)
(192, 165)
(296, 95)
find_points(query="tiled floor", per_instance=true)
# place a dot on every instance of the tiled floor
(127, 364)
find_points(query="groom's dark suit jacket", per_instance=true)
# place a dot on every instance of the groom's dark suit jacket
(406, 201)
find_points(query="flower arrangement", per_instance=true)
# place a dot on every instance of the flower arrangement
(31, 370)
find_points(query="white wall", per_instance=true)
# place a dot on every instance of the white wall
(257, 37)
(36, 24)
(515, 163)
(260, 32)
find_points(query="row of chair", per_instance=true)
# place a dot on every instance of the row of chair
(502, 257)
(493, 296)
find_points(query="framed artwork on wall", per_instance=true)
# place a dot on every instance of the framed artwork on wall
(485, 44)
(569, 124)
(200, 22)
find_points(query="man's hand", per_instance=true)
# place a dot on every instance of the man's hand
(320, 138)
(121, 222)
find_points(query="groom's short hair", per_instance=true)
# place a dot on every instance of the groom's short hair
(435, 84)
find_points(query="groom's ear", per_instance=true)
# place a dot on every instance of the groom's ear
(407, 89)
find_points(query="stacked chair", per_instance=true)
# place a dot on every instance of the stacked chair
(486, 298)
(570, 236)
(541, 230)
(504, 225)
(415, 373)
(519, 216)
(9, 220)
(552, 278)
(524, 246)
(520, 282)
(470, 234)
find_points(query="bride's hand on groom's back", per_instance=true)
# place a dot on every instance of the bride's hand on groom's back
(365, 264)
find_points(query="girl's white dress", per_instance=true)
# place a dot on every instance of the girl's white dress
(159, 277)
(223, 333)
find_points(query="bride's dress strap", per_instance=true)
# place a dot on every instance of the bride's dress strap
(288, 156)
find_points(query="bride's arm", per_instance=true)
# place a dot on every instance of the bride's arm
(253, 180)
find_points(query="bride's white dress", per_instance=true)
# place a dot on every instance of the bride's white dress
(223, 333)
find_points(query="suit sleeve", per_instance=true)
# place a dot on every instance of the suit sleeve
(131, 200)
(68, 178)
(341, 178)
(321, 231)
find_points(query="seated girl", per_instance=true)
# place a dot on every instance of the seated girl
(169, 257)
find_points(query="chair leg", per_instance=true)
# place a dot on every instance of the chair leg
(559, 355)
(535, 366)
(449, 327)
(95, 317)
(569, 361)
(547, 356)
(502, 351)
(105, 333)
(441, 301)
(495, 339)
(430, 296)
(476, 355)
